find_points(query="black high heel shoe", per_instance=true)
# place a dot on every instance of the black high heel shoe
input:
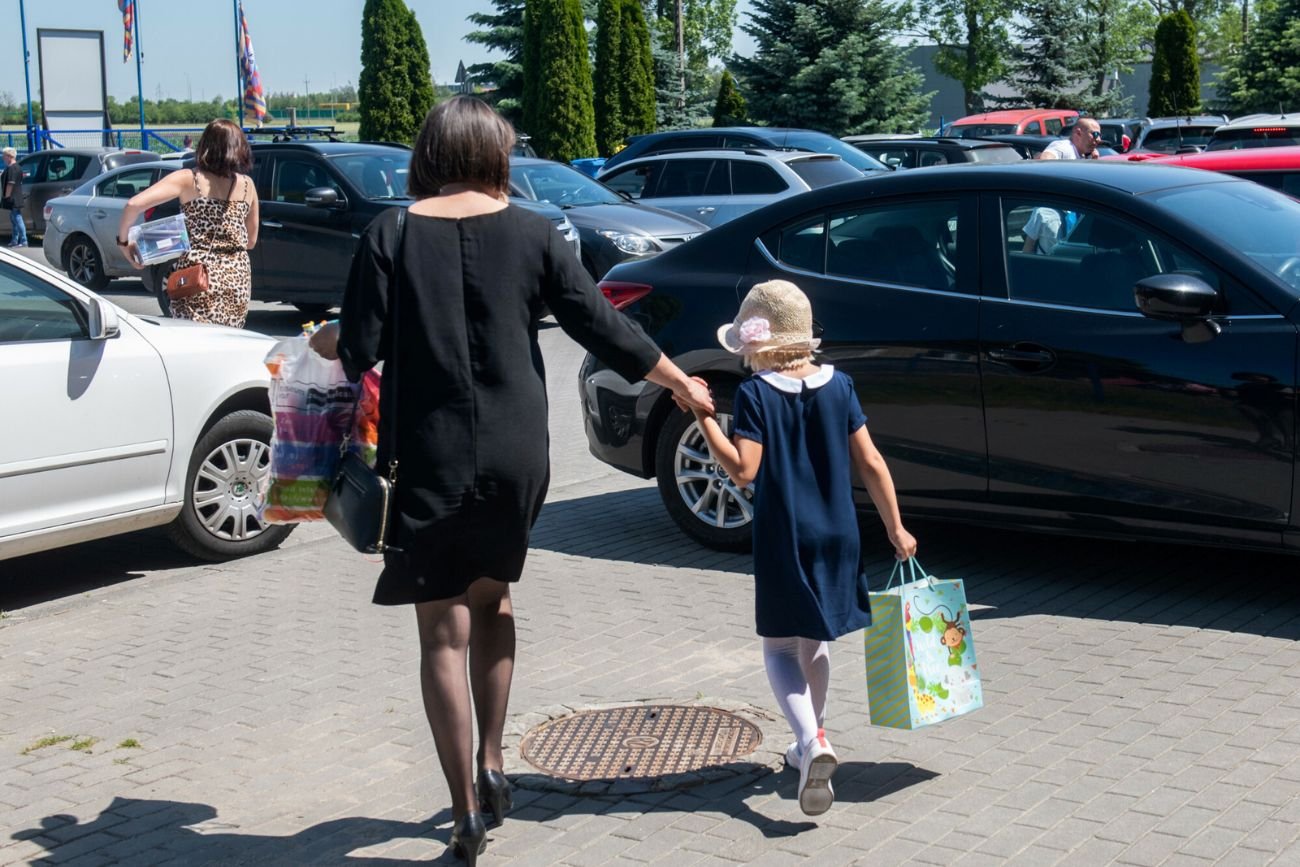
(469, 838)
(494, 794)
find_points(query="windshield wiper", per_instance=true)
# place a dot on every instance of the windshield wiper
(386, 198)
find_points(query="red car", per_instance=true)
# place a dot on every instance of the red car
(1275, 167)
(1020, 121)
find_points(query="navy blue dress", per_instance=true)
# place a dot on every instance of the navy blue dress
(808, 579)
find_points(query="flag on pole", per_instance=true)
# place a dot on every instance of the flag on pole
(127, 8)
(254, 97)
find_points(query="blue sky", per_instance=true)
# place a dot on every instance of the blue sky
(189, 45)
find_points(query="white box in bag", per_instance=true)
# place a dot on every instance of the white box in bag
(160, 240)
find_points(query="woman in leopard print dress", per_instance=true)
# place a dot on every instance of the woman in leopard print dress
(221, 214)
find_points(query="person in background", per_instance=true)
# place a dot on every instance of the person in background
(221, 215)
(11, 182)
(1082, 144)
(450, 300)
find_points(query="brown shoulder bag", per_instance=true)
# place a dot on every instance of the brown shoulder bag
(192, 279)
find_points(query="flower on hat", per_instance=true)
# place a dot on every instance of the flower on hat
(755, 329)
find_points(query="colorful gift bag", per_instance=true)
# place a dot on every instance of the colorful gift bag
(920, 652)
(314, 408)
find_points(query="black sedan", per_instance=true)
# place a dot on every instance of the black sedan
(612, 228)
(1137, 381)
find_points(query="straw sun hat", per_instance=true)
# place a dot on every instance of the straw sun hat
(774, 315)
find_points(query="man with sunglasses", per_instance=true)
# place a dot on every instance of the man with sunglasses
(1085, 138)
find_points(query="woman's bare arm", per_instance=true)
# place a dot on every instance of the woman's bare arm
(163, 191)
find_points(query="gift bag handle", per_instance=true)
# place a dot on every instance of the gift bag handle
(912, 568)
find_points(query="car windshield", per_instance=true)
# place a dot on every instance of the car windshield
(560, 185)
(378, 175)
(826, 144)
(979, 130)
(1169, 139)
(1261, 223)
(1259, 137)
(822, 172)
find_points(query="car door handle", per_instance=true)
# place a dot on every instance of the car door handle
(99, 215)
(705, 210)
(1023, 356)
(272, 224)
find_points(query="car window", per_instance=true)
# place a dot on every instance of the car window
(932, 158)
(126, 184)
(636, 181)
(32, 310)
(894, 157)
(1006, 154)
(1052, 125)
(818, 173)
(33, 167)
(755, 179)
(294, 177)
(1062, 253)
(800, 245)
(377, 175)
(719, 182)
(683, 178)
(732, 140)
(909, 244)
(1169, 139)
(1236, 139)
(63, 167)
(687, 142)
(1034, 128)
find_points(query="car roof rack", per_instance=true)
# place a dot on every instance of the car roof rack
(295, 133)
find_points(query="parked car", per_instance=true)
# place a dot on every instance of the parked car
(612, 228)
(1139, 382)
(127, 422)
(81, 228)
(1256, 131)
(1030, 146)
(1020, 121)
(740, 138)
(1275, 167)
(1171, 135)
(716, 186)
(1120, 133)
(51, 173)
(316, 198)
(912, 153)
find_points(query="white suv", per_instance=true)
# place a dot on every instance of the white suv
(1257, 131)
(719, 185)
(117, 422)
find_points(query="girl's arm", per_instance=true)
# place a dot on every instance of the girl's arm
(739, 457)
(163, 191)
(251, 222)
(871, 467)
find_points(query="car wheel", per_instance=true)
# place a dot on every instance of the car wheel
(154, 279)
(700, 497)
(314, 312)
(224, 487)
(85, 265)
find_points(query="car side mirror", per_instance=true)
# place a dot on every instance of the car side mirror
(103, 320)
(321, 197)
(1182, 298)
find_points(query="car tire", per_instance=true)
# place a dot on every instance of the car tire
(84, 263)
(693, 487)
(314, 312)
(154, 279)
(221, 504)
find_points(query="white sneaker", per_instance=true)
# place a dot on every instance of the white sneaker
(794, 756)
(815, 770)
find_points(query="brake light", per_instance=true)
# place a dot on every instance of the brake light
(1268, 129)
(148, 213)
(48, 212)
(622, 294)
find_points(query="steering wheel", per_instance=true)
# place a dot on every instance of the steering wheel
(1290, 270)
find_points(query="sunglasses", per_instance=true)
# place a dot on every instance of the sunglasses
(1093, 134)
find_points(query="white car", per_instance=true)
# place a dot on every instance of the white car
(115, 422)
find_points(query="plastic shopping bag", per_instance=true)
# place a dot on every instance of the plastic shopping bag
(314, 408)
(921, 665)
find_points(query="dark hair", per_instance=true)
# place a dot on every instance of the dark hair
(462, 141)
(223, 149)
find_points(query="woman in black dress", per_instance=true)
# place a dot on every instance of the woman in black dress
(465, 415)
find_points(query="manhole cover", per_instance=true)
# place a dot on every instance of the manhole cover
(638, 742)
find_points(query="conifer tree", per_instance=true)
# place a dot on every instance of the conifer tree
(557, 80)
(730, 109)
(1049, 66)
(1175, 68)
(417, 68)
(637, 82)
(610, 129)
(502, 31)
(1265, 76)
(384, 89)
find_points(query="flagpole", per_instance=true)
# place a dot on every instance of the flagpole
(239, 66)
(139, 78)
(27, 73)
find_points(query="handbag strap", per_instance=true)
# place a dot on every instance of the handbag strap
(390, 361)
(912, 567)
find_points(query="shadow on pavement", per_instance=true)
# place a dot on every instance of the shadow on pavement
(1015, 574)
(162, 828)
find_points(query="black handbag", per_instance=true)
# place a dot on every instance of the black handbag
(360, 504)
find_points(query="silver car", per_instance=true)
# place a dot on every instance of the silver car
(719, 185)
(81, 228)
(57, 172)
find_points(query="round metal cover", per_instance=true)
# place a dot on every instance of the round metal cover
(638, 742)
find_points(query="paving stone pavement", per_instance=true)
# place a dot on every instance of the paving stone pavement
(1142, 702)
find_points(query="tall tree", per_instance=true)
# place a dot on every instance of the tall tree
(1175, 67)
(1114, 33)
(730, 109)
(417, 69)
(685, 85)
(973, 39)
(384, 89)
(1265, 76)
(831, 65)
(502, 31)
(1048, 65)
(637, 90)
(557, 80)
(610, 129)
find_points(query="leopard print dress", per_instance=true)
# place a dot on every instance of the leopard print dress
(218, 239)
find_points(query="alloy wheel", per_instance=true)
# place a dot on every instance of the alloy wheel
(229, 488)
(82, 264)
(704, 485)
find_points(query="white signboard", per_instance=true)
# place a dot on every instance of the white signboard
(74, 95)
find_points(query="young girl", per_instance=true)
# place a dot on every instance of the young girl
(797, 426)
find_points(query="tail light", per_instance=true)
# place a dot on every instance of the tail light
(622, 294)
(48, 211)
(148, 212)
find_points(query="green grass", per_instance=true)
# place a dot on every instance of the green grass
(48, 741)
(84, 744)
(129, 744)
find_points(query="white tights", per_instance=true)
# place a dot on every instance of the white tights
(799, 670)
